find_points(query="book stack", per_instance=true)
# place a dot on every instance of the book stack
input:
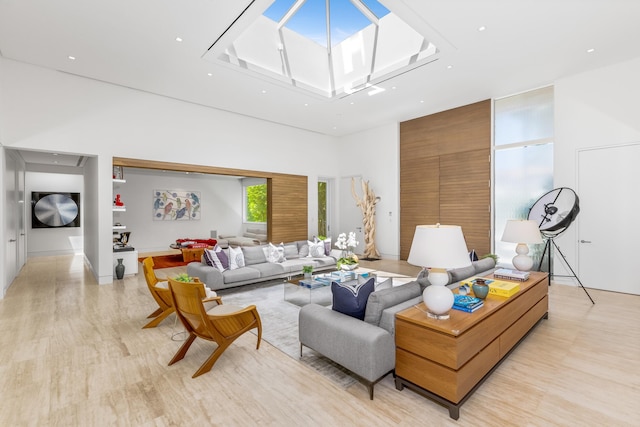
(503, 289)
(311, 284)
(467, 303)
(518, 275)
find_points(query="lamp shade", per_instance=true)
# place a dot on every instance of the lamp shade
(521, 231)
(439, 246)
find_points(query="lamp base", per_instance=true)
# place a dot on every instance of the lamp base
(522, 261)
(437, 316)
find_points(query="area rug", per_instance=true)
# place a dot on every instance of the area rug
(167, 261)
(280, 327)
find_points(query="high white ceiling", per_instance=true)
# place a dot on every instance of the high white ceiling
(132, 43)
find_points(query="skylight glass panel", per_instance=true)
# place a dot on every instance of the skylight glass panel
(310, 21)
(366, 44)
(346, 20)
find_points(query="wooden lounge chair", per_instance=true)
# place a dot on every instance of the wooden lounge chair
(159, 290)
(221, 324)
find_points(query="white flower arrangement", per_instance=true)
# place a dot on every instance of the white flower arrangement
(347, 245)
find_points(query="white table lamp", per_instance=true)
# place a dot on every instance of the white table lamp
(522, 232)
(438, 248)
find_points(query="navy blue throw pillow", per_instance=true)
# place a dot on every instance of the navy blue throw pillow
(351, 297)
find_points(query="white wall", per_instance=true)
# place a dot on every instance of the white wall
(221, 207)
(374, 155)
(593, 109)
(54, 241)
(45, 110)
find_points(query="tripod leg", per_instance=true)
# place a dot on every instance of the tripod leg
(573, 272)
(547, 250)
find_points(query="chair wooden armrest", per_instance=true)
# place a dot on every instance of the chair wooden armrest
(216, 299)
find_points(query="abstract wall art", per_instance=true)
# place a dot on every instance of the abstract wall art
(55, 210)
(176, 205)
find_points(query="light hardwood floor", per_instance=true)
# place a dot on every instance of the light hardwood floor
(72, 353)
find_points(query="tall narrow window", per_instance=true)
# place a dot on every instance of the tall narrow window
(255, 201)
(523, 161)
(323, 226)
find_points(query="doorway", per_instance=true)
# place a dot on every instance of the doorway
(607, 224)
(350, 215)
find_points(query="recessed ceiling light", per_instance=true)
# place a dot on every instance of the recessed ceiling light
(264, 91)
(351, 103)
(73, 58)
(449, 67)
(482, 28)
(178, 39)
(393, 88)
(591, 50)
(209, 74)
(422, 101)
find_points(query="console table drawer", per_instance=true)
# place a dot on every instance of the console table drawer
(454, 350)
(511, 336)
(448, 383)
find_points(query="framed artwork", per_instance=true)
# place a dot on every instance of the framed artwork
(176, 205)
(55, 210)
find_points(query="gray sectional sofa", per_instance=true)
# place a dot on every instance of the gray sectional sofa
(367, 347)
(258, 269)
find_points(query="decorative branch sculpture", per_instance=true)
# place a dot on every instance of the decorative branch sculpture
(367, 206)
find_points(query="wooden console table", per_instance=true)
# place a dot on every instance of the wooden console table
(447, 360)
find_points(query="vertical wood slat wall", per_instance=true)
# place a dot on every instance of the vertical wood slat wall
(445, 174)
(287, 208)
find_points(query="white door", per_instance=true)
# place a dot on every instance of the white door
(11, 219)
(350, 214)
(608, 227)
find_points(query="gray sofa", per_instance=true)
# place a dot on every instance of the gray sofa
(258, 269)
(367, 347)
(251, 237)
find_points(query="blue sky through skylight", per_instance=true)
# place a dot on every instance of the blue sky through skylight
(310, 20)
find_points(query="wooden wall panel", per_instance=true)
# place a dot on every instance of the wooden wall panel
(465, 196)
(445, 173)
(419, 188)
(287, 208)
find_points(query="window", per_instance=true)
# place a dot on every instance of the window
(255, 201)
(523, 161)
(323, 224)
(331, 48)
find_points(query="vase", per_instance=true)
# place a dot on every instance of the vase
(348, 267)
(480, 289)
(119, 269)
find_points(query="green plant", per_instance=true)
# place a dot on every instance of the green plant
(183, 277)
(307, 268)
(347, 260)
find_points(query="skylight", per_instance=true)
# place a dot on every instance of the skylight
(329, 47)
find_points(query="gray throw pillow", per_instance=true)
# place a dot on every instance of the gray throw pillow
(461, 273)
(484, 264)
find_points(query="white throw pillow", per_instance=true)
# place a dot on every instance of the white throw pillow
(274, 253)
(236, 258)
(316, 249)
